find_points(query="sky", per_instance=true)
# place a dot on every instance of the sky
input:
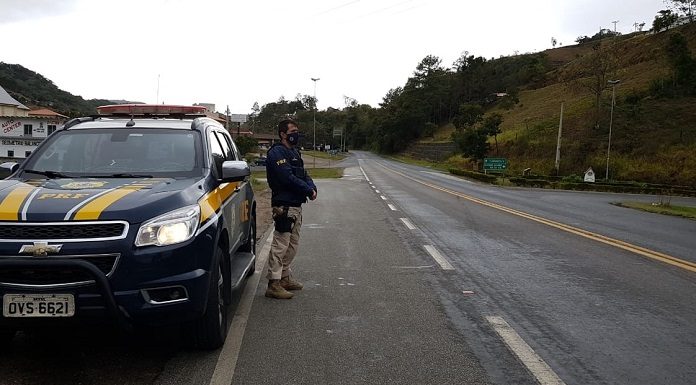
(238, 52)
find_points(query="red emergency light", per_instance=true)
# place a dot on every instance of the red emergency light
(150, 109)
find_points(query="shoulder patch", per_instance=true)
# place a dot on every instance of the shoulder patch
(281, 162)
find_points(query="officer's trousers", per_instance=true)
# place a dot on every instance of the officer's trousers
(284, 247)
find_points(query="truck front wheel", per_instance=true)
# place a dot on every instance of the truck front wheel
(211, 330)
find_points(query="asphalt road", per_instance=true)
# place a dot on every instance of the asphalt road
(412, 284)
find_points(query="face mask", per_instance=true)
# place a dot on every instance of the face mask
(294, 138)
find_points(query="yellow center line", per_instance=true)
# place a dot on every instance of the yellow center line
(655, 255)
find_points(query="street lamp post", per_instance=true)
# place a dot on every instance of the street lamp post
(613, 84)
(314, 127)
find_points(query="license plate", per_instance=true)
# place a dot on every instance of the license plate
(38, 305)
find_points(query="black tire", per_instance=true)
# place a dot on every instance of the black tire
(211, 330)
(250, 246)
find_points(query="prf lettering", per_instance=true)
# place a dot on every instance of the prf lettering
(62, 196)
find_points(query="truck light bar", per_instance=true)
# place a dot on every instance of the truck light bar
(150, 109)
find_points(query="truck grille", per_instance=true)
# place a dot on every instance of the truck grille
(45, 276)
(62, 231)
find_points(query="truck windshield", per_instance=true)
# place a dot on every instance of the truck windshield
(119, 153)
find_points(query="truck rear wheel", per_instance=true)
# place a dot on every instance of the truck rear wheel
(211, 330)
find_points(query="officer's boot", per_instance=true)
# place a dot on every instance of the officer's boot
(288, 283)
(276, 290)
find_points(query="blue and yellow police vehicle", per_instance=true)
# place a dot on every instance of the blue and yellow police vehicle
(143, 214)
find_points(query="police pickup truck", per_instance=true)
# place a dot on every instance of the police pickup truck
(143, 214)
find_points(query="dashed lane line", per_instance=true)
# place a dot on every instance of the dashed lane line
(365, 175)
(535, 364)
(408, 223)
(439, 258)
(651, 254)
(392, 207)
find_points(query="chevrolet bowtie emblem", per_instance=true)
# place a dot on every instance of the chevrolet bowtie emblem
(40, 249)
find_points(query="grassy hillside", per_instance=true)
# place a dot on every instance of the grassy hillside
(34, 90)
(653, 139)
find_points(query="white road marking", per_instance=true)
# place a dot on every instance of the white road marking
(392, 207)
(383, 197)
(467, 292)
(535, 364)
(227, 360)
(442, 261)
(408, 223)
(365, 175)
(377, 191)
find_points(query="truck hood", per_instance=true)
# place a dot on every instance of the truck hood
(131, 199)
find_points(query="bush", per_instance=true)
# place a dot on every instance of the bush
(246, 144)
(572, 178)
(474, 175)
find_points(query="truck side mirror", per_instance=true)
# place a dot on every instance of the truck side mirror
(8, 168)
(235, 171)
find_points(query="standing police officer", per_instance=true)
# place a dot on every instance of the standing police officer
(290, 186)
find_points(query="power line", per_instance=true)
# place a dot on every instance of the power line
(336, 8)
(383, 9)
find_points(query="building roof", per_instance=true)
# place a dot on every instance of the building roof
(46, 112)
(6, 99)
(265, 136)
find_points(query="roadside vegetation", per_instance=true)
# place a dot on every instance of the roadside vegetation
(665, 209)
(325, 155)
(510, 107)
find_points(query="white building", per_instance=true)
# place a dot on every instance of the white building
(21, 130)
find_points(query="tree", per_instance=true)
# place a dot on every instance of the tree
(469, 114)
(591, 74)
(246, 144)
(473, 142)
(685, 6)
(683, 65)
(491, 126)
(664, 20)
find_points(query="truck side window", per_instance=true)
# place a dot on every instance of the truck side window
(217, 152)
(226, 148)
(234, 148)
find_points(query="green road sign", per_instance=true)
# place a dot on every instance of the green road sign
(494, 164)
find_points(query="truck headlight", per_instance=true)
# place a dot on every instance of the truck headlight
(174, 227)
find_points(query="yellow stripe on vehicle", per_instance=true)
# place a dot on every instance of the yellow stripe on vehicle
(10, 206)
(642, 251)
(211, 202)
(93, 210)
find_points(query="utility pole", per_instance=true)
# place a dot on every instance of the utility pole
(613, 84)
(314, 127)
(227, 118)
(158, 82)
(615, 22)
(558, 142)
(314, 141)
